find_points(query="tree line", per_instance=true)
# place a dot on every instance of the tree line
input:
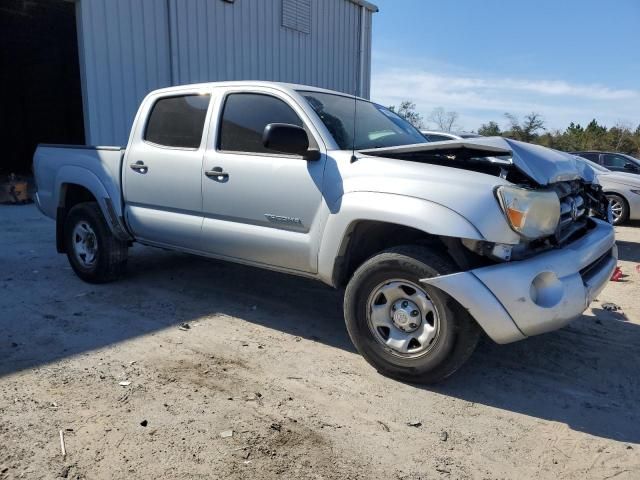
(532, 128)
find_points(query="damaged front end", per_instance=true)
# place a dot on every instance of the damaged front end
(550, 199)
(564, 247)
(578, 204)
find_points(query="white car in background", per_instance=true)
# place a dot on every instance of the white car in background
(622, 190)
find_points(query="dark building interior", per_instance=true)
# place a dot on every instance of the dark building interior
(40, 93)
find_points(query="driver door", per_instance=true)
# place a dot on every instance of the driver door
(259, 205)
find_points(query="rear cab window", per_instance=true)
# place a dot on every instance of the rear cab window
(177, 121)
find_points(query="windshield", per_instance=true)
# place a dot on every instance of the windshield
(376, 126)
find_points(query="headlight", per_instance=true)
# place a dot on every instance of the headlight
(532, 214)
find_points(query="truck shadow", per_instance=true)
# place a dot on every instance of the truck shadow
(582, 376)
(585, 375)
(47, 313)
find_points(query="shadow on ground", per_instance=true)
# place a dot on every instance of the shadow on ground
(628, 251)
(585, 375)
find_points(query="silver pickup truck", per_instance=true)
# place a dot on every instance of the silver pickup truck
(435, 242)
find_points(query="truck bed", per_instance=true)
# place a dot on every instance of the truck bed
(97, 168)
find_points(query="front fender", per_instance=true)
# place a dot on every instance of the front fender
(430, 217)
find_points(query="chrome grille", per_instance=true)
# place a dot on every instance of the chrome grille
(573, 210)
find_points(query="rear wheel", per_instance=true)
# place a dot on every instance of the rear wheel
(619, 208)
(95, 255)
(405, 329)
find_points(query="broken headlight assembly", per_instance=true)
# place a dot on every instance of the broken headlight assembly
(530, 213)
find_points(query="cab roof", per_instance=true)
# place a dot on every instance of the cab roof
(282, 86)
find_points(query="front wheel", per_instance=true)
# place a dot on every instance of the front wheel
(95, 255)
(407, 330)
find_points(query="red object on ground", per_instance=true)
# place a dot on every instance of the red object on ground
(617, 275)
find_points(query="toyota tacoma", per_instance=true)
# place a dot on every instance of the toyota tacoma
(433, 242)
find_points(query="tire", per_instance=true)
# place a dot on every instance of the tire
(100, 257)
(456, 332)
(621, 205)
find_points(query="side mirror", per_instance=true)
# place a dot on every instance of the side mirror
(285, 138)
(630, 166)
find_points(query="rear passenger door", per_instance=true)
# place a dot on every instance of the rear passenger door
(263, 205)
(163, 168)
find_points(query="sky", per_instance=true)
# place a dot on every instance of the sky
(568, 60)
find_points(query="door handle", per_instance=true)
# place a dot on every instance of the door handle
(139, 166)
(218, 174)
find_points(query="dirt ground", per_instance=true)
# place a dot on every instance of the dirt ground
(267, 357)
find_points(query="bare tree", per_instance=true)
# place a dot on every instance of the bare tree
(444, 121)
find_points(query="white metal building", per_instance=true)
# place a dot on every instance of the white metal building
(74, 71)
(129, 47)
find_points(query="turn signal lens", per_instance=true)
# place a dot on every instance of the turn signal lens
(531, 213)
(516, 217)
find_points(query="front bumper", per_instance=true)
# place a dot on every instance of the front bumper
(514, 300)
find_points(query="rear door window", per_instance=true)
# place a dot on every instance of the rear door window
(177, 121)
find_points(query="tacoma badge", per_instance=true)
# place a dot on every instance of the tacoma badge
(282, 219)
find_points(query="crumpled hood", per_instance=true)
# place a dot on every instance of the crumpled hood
(543, 165)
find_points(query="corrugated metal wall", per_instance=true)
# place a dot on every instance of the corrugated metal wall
(129, 47)
(124, 53)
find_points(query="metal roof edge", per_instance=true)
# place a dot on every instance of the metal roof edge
(363, 3)
(368, 5)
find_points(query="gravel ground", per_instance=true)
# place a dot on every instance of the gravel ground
(267, 361)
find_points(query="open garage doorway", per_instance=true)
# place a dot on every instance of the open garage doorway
(40, 92)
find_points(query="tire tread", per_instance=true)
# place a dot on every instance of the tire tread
(467, 331)
(113, 252)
